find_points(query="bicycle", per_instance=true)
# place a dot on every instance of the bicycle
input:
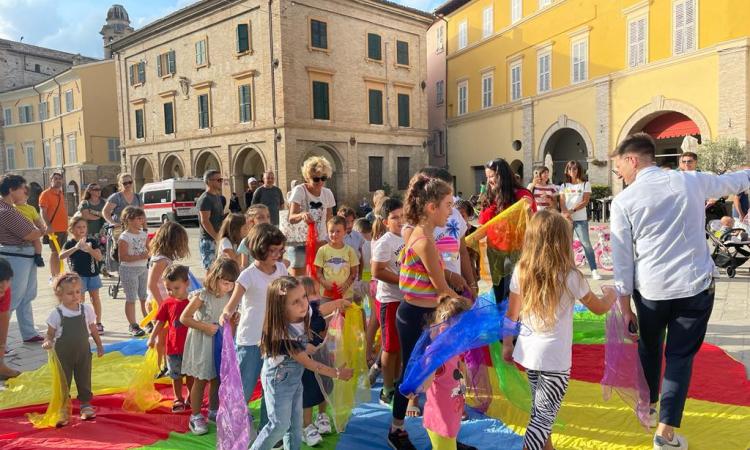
(602, 250)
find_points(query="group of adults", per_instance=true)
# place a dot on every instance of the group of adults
(18, 235)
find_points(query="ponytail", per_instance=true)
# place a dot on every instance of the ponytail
(423, 190)
(384, 207)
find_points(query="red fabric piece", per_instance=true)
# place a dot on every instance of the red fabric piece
(671, 125)
(334, 293)
(258, 392)
(716, 376)
(112, 429)
(169, 312)
(311, 249)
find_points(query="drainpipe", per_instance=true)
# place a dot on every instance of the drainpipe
(445, 92)
(273, 93)
(41, 124)
(62, 131)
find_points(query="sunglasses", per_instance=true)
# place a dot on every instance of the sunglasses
(319, 179)
(127, 183)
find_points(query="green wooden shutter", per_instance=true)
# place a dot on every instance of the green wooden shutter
(172, 62)
(139, 123)
(158, 66)
(141, 72)
(403, 110)
(318, 34)
(376, 106)
(168, 118)
(243, 38)
(320, 101)
(374, 47)
(132, 77)
(402, 53)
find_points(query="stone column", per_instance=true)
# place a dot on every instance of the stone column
(528, 140)
(733, 92)
(602, 138)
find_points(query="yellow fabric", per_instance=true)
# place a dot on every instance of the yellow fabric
(59, 401)
(141, 395)
(337, 264)
(151, 314)
(593, 424)
(441, 442)
(109, 375)
(349, 351)
(28, 211)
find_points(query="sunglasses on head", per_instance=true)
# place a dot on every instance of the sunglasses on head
(127, 183)
(319, 179)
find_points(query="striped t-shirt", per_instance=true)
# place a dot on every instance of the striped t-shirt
(15, 226)
(413, 279)
(540, 195)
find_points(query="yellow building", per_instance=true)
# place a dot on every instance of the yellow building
(545, 81)
(67, 123)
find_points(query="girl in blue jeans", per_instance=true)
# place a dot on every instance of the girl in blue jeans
(285, 349)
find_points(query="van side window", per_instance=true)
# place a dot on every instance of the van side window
(161, 196)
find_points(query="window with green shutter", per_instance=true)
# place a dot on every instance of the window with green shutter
(376, 106)
(318, 34)
(374, 47)
(402, 53)
(376, 172)
(244, 102)
(320, 101)
(403, 110)
(141, 72)
(243, 37)
(139, 131)
(169, 118)
(203, 117)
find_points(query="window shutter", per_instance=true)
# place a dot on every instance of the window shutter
(243, 39)
(633, 43)
(376, 106)
(132, 74)
(641, 41)
(402, 53)
(324, 40)
(690, 26)
(141, 72)
(320, 101)
(172, 62)
(679, 28)
(374, 46)
(403, 110)
(159, 70)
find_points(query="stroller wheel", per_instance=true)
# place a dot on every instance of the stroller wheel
(731, 271)
(113, 291)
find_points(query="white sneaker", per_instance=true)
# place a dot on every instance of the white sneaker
(595, 275)
(323, 423)
(198, 425)
(677, 443)
(653, 417)
(311, 436)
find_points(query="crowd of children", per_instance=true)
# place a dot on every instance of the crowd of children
(409, 262)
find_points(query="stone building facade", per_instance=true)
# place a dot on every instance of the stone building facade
(247, 86)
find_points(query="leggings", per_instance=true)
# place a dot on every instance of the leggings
(410, 322)
(547, 391)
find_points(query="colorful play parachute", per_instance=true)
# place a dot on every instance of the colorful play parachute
(56, 244)
(141, 395)
(504, 234)
(233, 429)
(484, 324)
(346, 341)
(195, 283)
(623, 372)
(59, 407)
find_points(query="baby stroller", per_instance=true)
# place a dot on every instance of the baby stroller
(731, 247)
(110, 264)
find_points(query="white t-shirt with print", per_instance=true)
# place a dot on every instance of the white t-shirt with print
(386, 250)
(454, 229)
(553, 349)
(574, 195)
(136, 246)
(252, 308)
(54, 321)
(316, 205)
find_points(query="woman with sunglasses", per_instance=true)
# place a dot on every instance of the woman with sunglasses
(91, 209)
(503, 190)
(312, 202)
(121, 199)
(574, 197)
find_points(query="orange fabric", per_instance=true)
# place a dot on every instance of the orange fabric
(48, 200)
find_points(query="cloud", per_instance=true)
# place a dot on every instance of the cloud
(424, 5)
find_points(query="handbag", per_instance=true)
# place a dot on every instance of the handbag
(296, 233)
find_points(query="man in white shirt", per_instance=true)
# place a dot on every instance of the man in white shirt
(662, 260)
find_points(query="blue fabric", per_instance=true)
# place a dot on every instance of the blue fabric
(195, 283)
(128, 348)
(581, 229)
(218, 340)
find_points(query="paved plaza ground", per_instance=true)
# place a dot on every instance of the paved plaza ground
(729, 327)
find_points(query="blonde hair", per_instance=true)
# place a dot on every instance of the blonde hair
(130, 213)
(316, 165)
(545, 263)
(74, 220)
(170, 240)
(224, 268)
(450, 307)
(253, 210)
(121, 177)
(275, 338)
(64, 278)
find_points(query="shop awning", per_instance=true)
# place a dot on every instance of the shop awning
(671, 125)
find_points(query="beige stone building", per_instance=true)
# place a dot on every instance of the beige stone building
(67, 123)
(245, 86)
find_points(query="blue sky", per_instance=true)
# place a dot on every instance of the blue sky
(73, 25)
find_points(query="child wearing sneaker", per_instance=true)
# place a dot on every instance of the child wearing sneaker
(284, 345)
(177, 281)
(68, 328)
(32, 215)
(312, 395)
(202, 317)
(83, 255)
(385, 268)
(543, 289)
(132, 250)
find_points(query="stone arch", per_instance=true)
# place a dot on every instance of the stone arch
(206, 159)
(71, 196)
(143, 172)
(564, 122)
(517, 167)
(172, 167)
(562, 142)
(328, 151)
(248, 162)
(660, 105)
(35, 190)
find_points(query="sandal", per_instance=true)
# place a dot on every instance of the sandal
(413, 411)
(178, 406)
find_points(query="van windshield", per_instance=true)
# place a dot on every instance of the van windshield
(187, 195)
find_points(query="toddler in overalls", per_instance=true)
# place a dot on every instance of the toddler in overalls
(68, 328)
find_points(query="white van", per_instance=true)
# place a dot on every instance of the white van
(173, 199)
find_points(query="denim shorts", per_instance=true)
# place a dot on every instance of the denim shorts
(207, 249)
(174, 363)
(295, 254)
(91, 283)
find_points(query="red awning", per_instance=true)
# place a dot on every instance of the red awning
(670, 125)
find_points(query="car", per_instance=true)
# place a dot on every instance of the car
(172, 200)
